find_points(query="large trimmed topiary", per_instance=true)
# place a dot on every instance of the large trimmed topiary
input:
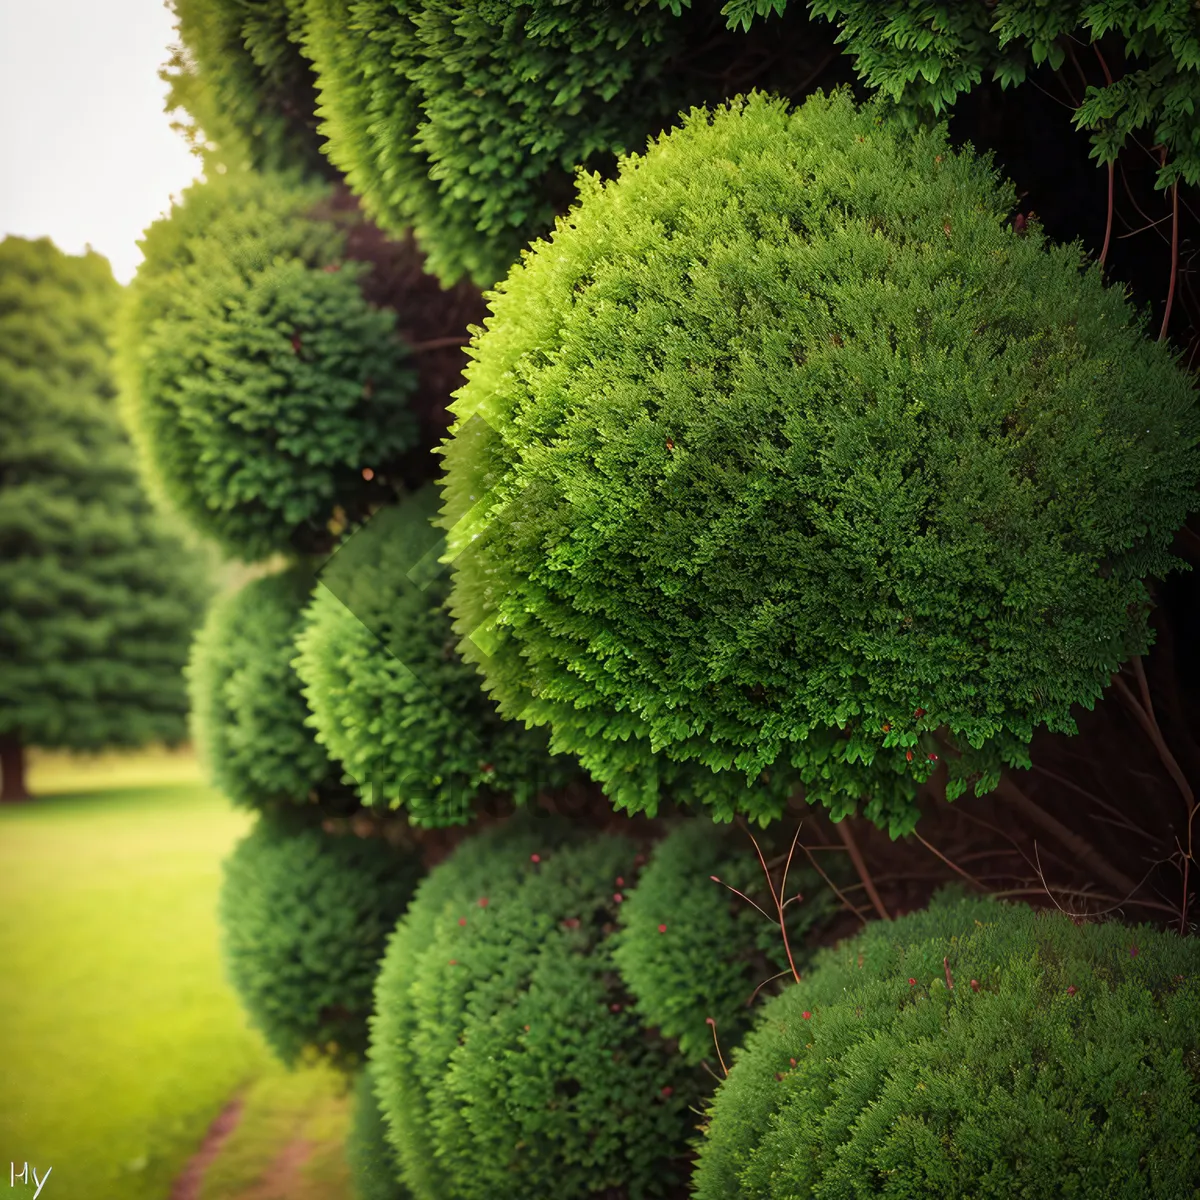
(507, 1061)
(692, 950)
(466, 119)
(786, 453)
(247, 90)
(305, 918)
(249, 716)
(263, 389)
(975, 1048)
(370, 1157)
(390, 698)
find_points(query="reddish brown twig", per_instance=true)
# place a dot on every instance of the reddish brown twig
(777, 896)
(1111, 168)
(861, 867)
(720, 1057)
(933, 849)
(1162, 333)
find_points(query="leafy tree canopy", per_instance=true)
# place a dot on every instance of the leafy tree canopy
(98, 595)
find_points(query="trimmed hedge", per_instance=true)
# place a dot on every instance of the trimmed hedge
(305, 918)
(371, 1159)
(1063, 1061)
(690, 950)
(786, 453)
(506, 1057)
(241, 78)
(257, 380)
(249, 716)
(466, 119)
(391, 699)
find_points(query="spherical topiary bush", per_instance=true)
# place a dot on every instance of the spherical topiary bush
(507, 1061)
(974, 1049)
(691, 950)
(305, 919)
(466, 119)
(249, 716)
(371, 1159)
(263, 389)
(391, 699)
(785, 452)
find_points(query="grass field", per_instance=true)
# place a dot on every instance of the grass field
(120, 1040)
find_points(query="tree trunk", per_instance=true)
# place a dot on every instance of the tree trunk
(12, 769)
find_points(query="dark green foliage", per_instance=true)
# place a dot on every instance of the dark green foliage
(98, 597)
(391, 699)
(249, 717)
(246, 87)
(786, 452)
(926, 55)
(502, 1065)
(1064, 1061)
(305, 918)
(371, 1159)
(466, 119)
(689, 949)
(258, 381)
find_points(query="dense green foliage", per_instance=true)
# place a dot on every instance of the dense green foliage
(98, 598)
(691, 950)
(391, 699)
(258, 381)
(925, 56)
(305, 918)
(1064, 1060)
(787, 453)
(466, 119)
(371, 1159)
(506, 1057)
(249, 717)
(245, 89)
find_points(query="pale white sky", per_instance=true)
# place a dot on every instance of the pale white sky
(86, 152)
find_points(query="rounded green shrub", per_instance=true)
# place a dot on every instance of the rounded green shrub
(249, 716)
(691, 950)
(391, 699)
(507, 1060)
(786, 453)
(466, 119)
(241, 79)
(371, 1159)
(263, 390)
(305, 918)
(1064, 1060)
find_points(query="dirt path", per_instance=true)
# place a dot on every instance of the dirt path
(282, 1177)
(187, 1186)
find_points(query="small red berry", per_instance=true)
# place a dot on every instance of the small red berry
(1133, 950)
(709, 1021)
(487, 768)
(620, 881)
(670, 444)
(667, 1091)
(933, 758)
(912, 982)
(806, 1015)
(908, 755)
(1072, 990)
(454, 962)
(662, 929)
(462, 920)
(537, 858)
(483, 902)
(617, 897)
(526, 1028)
(919, 713)
(792, 1061)
(974, 985)
(571, 922)
(614, 1008)
(887, 727)
(778, 1075)
(368, 474)
(714, 879)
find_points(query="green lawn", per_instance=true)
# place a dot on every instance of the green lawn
(120, 1040)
